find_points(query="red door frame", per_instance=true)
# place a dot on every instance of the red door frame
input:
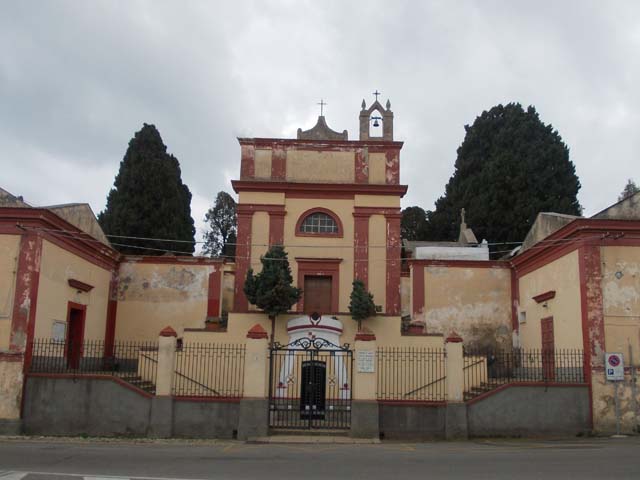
(548, 348)
(73, 353)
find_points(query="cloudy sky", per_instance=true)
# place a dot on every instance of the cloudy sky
(79, 78)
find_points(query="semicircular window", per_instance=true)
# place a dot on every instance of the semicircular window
(319, 222)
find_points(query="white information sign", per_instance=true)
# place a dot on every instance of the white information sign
(58, 331)
(614, 366)
(365, 362)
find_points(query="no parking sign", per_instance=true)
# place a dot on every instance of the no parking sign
(614, 366)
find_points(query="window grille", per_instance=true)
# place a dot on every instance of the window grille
(319, 223)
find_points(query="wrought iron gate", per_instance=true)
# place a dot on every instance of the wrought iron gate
(310, 385)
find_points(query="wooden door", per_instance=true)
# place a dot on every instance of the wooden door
(75, 335)
(317, 294)
(548, 349)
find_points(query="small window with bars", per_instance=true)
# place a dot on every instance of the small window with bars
(319, 223)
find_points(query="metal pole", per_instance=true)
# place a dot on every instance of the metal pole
(634, 401)
(617, 407)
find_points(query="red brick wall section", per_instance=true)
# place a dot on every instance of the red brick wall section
(393, 263)
(278, 163)
(361, 247)
(418, 290)
(276, 227)
(215, 285)
(361, 167)
(247, 162)
(392, 167)
(26, 291)
(591, 303)
(243, 252)
(112, 309)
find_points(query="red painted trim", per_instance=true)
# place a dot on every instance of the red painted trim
(257, 332)
(329, 267)
(322, 195)
(393, 264)
(413, 403)
(311, 211)
(276, 228)
(247, 161)
(183, 398)
(545, 296)
(387, 211)
(453, 338)
(320, 190)
(522, 384)
(278, 163)
(243, 252)
(423, 334)
(83, 323)
(73, 376)
(339, 145)
(459, 263)
(11, 357)
(213, 297)
(171, 260)
(365, 337)
(317, 327)
(112, 310)
(251, 208)
(417, 272)
(168, 332)
(515, 301)
(361, 167)
(59, 232)
(361, 248)
(25, 298)
(78, 285)
(392, 167)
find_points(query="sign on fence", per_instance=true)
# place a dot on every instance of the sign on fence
(365, 361)
(614, 366)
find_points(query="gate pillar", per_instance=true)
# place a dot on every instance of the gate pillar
(365, 421)
(254, 407)
(456, 413)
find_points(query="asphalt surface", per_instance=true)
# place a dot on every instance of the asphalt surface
(495, 459)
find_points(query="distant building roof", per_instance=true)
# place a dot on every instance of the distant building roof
(626, 209)
(9, 200)
(546, 223)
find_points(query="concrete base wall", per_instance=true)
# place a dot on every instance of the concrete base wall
(103, 407)
(530, 411)
(365, 421)
(412, 421)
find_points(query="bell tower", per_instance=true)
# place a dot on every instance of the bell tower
(383, 114)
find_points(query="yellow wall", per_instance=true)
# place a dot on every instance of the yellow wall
(621, 300)
(475, 302)
(318, 247)
(563, 276)
(269, 198)
(377, 168)
(263, 163)
(56, 268)
(318, 166)
(389, 201)
(9, 250)
(152, 296)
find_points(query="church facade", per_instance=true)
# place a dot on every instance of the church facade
(334, 205)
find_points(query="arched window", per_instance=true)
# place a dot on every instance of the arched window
(319, 222)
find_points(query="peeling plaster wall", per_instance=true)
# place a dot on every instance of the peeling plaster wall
(152, 296)
(563, 276)
(621, 300)
(263, 163)
(319, 166)
(10, 389)
(377, 168)
(475, 302)
(405, 296)
(56, 268)
(604, 409)
(9, 250)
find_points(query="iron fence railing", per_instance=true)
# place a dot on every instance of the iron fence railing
(209, 370)
(411, 374)
(487, 370)
(132, 361)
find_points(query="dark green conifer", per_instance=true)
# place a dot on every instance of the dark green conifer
(361, 305)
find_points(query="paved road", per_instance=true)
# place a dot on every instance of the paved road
(500, 459)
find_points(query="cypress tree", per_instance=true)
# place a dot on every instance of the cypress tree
(361, 305)
(509, 167)
(148, 199)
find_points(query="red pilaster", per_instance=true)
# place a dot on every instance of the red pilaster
(393, 263)
(278, 163)
(276, 227)
(515, 300)
(112, 309)
(26, 293)
(361, 166)
(417, 272)
(392, 167)
(215, 286)
(243, 254)
(248, 162)
(361, 247)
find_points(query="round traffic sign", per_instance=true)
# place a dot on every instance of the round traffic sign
(614, 360)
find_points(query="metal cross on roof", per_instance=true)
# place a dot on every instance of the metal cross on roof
(322, 104)
(376, 93)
